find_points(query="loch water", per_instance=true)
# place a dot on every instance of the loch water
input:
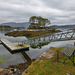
(32, 53)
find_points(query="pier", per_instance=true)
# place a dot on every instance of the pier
(13, 47)
(64, 36)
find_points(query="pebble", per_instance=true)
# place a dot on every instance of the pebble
(1, 70)
(15, 69)
(10, 71)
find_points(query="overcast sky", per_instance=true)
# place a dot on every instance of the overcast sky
(57, 11)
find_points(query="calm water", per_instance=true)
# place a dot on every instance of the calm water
(16, 58)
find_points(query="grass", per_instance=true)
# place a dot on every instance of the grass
(2, 60)
(51, 66)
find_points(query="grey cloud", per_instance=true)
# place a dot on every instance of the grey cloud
(60, 4)
(21, 10)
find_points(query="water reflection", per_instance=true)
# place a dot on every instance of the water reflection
(39, 45)
(23, 54)
(21, 57)
(5, 31)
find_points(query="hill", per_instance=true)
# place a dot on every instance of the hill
(14, 24)
(26, 25)
(65, 26)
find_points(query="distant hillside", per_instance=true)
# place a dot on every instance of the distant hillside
(65, 26)
(26, 25)
(14, 24)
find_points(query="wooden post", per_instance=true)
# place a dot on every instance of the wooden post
(58, 56)
(74, 43)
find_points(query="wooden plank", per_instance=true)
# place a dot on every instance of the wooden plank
(11, 46)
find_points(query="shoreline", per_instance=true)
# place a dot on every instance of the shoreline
(45, 55)
(16, 69)
(22, 67)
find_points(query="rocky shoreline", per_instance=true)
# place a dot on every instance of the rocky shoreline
(10, 71)
(15, 69)
(46, 55)
(22, 67)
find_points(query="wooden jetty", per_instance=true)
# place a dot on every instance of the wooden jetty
(13, 47)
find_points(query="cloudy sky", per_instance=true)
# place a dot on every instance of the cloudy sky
(57, 11)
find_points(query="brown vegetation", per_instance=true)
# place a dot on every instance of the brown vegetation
(29, 33)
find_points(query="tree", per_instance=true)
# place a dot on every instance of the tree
(36, 22)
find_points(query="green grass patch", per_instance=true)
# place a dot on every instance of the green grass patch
(2, 60)
(51, 66)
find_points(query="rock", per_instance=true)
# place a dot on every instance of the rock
(10, 72)
(12, 69)
(1, 70)
(15, 69)
(26, 71)
(41, 60)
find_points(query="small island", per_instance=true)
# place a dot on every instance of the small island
(37, 27)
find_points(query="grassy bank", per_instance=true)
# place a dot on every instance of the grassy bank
(30, 33)
(50, 66)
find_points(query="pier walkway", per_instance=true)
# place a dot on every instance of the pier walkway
(63, 36)
(13, 47)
